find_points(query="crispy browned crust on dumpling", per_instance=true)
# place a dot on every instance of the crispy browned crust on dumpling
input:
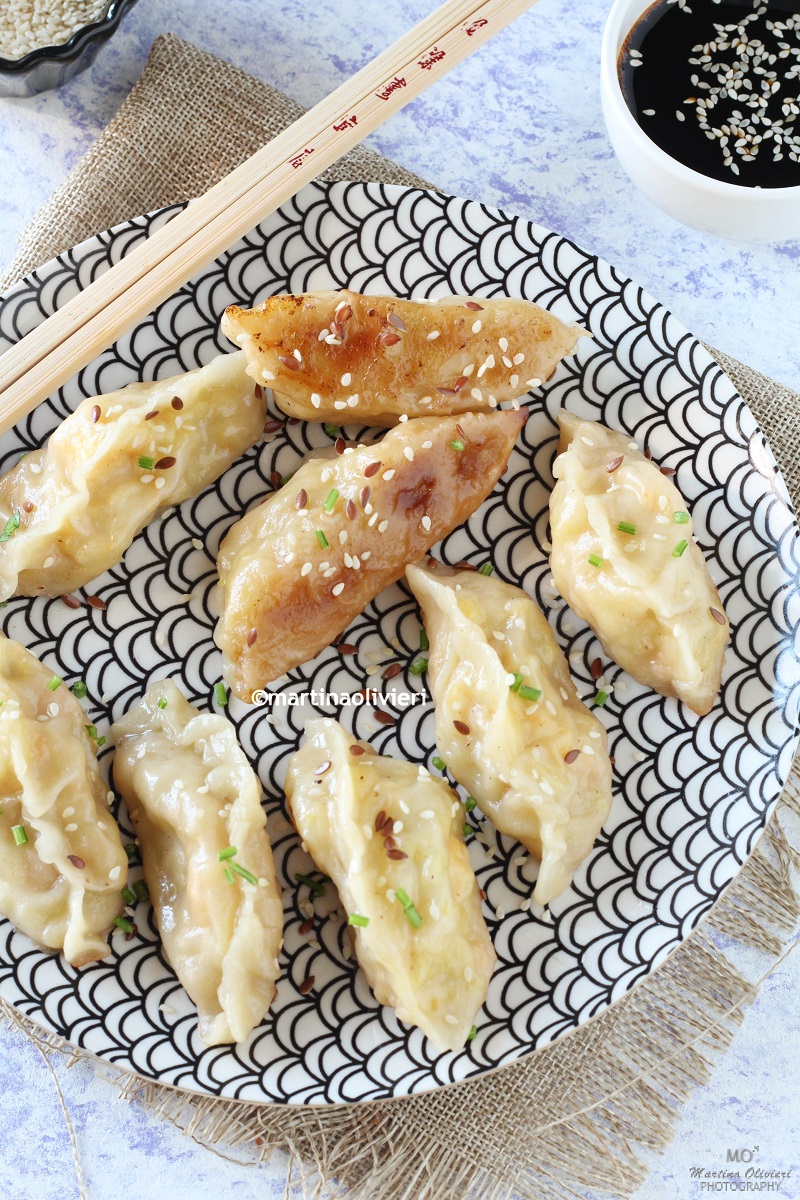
(338, 356)
(294, 575)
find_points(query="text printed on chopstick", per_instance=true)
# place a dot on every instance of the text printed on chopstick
(391, 86)
(476, 25)
(436, 55)
(298, 159)
(346, 123)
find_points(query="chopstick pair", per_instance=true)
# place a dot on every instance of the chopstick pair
(65, 342)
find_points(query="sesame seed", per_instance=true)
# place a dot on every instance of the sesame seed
(337, 589)
(426, 523)
(384, 525)
(387, 475)
(409, 453)
(306, 568)
(476, 328)
(316, 399)
(346, 379)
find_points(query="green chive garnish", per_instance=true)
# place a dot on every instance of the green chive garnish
(93, 734)
(323, 541)
(124, 924)
(131, 851)
(162, 704)
(467, 830)
(517, 684)
(529, 693)
(79, 689)
(147, 464)
(141, 890)
(626, 527)
(128, 896)
(596, 560)
(315, 888)
(486, 569)
(3, 604)
(408, 907)
(456, 444)
(230, 852)
(424, 644)
(10, 527)
(54, 682)
(229, 875)
(20, 836)
(357, 919)
(679, 549)
(221, 694)
(285, 478)
(439, 763)
(330, 500)
(245, 874)
(472, 1033)
(600, 699)
(330, 429)
(680, 518)
(471, 803)
(418, 667)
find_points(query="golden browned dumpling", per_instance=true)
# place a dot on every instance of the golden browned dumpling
(625, 561)
(294, 572)
(341, 356)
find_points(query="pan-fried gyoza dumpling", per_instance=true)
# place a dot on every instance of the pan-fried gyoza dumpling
(390, 837)
(625, 561)
(295, 571)
(192, 796)
(62, 865)
(71, 509)
(339, 356)
(509, 723)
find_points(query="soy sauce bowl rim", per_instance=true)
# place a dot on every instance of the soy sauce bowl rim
(621, 19)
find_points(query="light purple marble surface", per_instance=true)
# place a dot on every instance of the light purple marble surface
(518, 126)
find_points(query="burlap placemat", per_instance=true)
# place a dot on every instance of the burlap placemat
(587, 1112)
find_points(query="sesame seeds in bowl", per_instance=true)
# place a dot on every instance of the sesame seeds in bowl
(701, 105)
(45, 43)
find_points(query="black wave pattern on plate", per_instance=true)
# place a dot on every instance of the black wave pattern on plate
(691, 794)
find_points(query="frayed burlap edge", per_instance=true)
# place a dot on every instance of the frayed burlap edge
(587, 1112)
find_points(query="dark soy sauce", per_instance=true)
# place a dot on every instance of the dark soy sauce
(716, 84)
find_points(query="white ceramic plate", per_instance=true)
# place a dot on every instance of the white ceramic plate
(691, 794)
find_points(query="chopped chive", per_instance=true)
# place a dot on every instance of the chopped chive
(323, 541)
(131, 851)
(415, 920)
(331, 429)
(679, 549)
(601, 698)
(20, 836)
(467, 829)
(471, 803)
(93, 734)
(230, 852)
(357, 919)
(472, 1033)
(101, 741)
(245, 874)
(626, 527)
(141, 889)
(517, 684)
(418, 667)
(315, 888)
(221, 694)
(680, 518)
(456, 444)
(529, 693)
(162, 704)
(54, 682)
(330, 500)
(486, 569)
(596, 560)
(124, 924)
(402, 895)
(285, 478)
(128, 896)
(147, 464)
(408, 907)
(23, 455)
(3, 604)
(229, 875)
(10, 527)
(439, 763)
(79, 689)
(424, 644)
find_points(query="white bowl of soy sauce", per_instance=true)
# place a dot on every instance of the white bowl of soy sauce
(701, 100)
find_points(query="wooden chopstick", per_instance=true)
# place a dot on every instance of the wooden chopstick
(53, 352)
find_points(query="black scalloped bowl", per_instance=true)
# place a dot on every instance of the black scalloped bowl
(50, 66)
